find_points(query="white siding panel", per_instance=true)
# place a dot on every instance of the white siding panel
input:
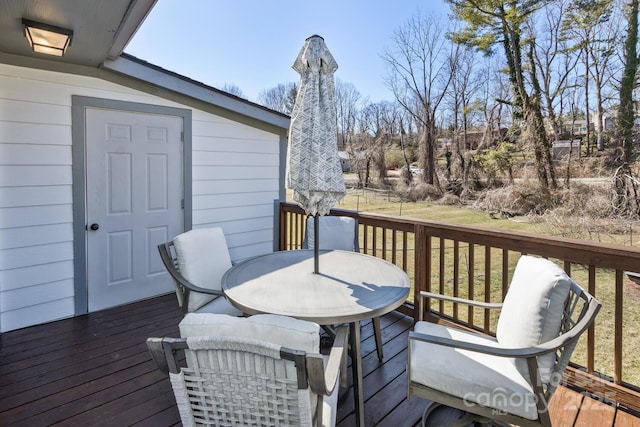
(31, 154)
(230, 130)
(246, 225)
(244, 252)
(201, 118)
(11, 238)
(34, 255)
(34, 133)
(235, 159)
(19, 111)
(17, 176)
(35, 215)
(35, 196)
(214, 201)
(234, 173)
(35, 314)
(41, 88)
(33, 275)
(235, 186)
(35, 295)
(236, 178)
(249, 238)
(232, 213)
(221, 145)
(38, 86)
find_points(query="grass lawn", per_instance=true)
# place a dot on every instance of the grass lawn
(381, 202)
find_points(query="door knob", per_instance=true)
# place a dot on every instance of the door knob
(94, 226)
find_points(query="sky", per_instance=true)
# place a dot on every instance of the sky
(253, 43)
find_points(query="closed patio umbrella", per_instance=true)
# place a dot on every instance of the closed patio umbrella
(314, 172)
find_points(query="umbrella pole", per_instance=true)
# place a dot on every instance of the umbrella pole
(316, 243)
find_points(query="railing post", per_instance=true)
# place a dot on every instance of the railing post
(282, 244)
(617, 322)
(422, 268)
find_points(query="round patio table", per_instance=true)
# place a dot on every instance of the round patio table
(349, 287)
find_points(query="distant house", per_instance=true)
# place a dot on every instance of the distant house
(562, 149)
(103, 156)
(576, 127)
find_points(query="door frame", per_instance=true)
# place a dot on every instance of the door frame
(79, 104)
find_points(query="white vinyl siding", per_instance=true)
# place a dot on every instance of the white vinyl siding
(235, 180)
(236, 170)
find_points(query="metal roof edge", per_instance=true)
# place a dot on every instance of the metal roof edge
(132, 66)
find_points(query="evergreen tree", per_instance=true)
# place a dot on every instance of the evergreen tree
(491, 22)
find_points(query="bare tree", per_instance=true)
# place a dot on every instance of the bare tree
(554, 59)
(382, 123)
(494, 88)
(233, 89)
(348, 106)
(465, 85)
(419, 75)
(367, 145)
(595, 34)
(280, 98)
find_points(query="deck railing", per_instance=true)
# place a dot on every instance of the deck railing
(477, 263)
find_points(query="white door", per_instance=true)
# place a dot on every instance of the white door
(134, 202)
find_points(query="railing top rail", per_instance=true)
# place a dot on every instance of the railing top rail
(599, 254)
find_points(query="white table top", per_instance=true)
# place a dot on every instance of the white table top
(349, 287)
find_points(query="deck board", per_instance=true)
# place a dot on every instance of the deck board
(95, 370)
(624, 419)
(564, 406)
(595, 413)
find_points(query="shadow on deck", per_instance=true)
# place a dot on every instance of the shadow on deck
(95, 370)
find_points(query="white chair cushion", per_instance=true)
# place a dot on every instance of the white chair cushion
(203, 258)
(336, 233)
(475, 377)
(532, 309)
(284, 331)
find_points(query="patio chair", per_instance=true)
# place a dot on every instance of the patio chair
(340, 233)
(235, 377)
(196, 261)
(512, 376)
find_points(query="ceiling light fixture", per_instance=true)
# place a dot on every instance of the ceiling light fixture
(47, 39)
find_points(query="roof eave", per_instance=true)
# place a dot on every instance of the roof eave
(146, 72)
(136, 13)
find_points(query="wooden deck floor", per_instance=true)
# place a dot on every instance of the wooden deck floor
(94, 370)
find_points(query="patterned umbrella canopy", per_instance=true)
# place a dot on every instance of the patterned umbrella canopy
(314, 172)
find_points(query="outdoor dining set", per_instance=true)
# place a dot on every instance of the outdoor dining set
(249, 351)
(282, 289)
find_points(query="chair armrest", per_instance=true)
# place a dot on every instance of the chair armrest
(184, 282)
(480, 348)
(179, 278)
(157, 353)
(482, 304)
(163, 351)
(323, 378)
(524, 352)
